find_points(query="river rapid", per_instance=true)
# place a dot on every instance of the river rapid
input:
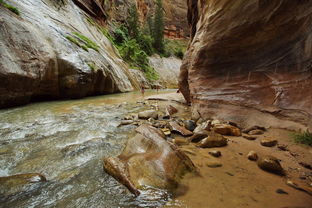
(66, 141)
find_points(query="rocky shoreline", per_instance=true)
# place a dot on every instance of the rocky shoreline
(273, 154)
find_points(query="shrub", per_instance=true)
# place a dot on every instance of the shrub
(303, 138)
(179, 54)
(132, 53)
(82, 41)
(92, 66)
(10, 7)
(120, 35)
(175, 47)
(146, 44)
(75, 41)
(88, 43)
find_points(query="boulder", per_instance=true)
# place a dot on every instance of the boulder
(226, 129)
(199, 136)
(170, 110)
(175, 127)
(148, 114)
(11, 185)
(149, 160)
(213, 140)
(190, 125)
(271, 164)
(23, 179)
(268, 142)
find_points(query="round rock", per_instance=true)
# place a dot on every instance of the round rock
(268, 142)
(270, 164)
(252, 155)
(215, 153)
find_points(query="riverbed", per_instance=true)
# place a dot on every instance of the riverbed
(66, 141)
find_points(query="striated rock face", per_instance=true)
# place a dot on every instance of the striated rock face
(37, 61)
(168, 70)
(250, 53)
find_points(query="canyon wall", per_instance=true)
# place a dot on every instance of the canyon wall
(256, 54)
(51, 51)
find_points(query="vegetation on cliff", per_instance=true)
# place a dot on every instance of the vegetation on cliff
(82, 41)
(10, 7)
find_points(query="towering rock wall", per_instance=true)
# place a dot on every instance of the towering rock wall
(42, 58)
(250, 53)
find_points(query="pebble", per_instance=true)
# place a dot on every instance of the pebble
(252, 155)
(268, 142)
(281, 191)
(213, 140)
(256, 132)
(180, 141)
(249, 137)
(271, 164)
(213, 164)
(190, 125)
(215, 153)
(282, 147)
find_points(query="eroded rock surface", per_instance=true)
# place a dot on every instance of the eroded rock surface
(250, 53)
(149, 160)
(38, 61)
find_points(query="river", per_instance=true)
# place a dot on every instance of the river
(66, 141)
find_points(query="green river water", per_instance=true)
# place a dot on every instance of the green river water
(66, 141)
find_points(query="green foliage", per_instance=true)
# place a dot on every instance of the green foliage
(175, 48)
(132, 53)
(133, 45)
(146, 44)
(75, 41)
(92, 66)
(88, 43)
(158, 28)
(121, 35)
(303, 138)
(10, 7)
(82, 41)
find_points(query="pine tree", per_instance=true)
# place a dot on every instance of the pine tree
(133, 22)
(158, 29)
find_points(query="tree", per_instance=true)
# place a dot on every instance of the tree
(158, 29)
(133, 22)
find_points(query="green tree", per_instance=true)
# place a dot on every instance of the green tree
(158, 29)
(133, 22)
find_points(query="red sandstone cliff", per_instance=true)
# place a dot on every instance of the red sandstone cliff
(250, 53)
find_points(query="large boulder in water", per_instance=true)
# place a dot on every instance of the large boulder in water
(249, 53)
(149, 160)
(15, 184)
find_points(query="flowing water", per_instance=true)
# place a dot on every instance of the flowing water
(66, 141)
